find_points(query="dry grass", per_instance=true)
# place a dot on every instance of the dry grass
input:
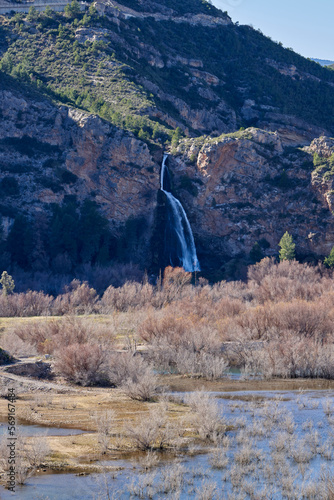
(87, 410)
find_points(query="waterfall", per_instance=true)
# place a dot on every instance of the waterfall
(183, 250)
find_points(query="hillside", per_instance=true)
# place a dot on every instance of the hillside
(90, 100)
(150, 67)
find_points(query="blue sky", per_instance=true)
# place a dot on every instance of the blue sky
(304, 25)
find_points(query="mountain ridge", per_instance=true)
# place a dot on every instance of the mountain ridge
(119, 89)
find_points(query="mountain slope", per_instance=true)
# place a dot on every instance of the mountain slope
(78, 189)
(151, 67)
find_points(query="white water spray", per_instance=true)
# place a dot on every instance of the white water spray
(181, 226)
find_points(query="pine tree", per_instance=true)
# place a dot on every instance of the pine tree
(7, 283)
(329, 261)
(287, 245)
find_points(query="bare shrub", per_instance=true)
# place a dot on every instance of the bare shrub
(165, 324)
(124, 366)
(234, 290)
(206, 416)
(131, 295)
(48, 335)
(83, 364)
(207, 491)
(16, 346)
(172, 478)
(286, 281)
(291, 357)
(144, 388)
(78, 298)
(23, 470)
(219, 458)
(200, 364)
(30, 303)
(153, 431)
(36, 450)
(192, 350)
(247, 454)
(174, 281)
(327, 485)
(151, 460)
(299, 317)
(105, 421)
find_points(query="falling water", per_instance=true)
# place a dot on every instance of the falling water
(185, 250)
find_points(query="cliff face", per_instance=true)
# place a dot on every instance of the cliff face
(238, 189)
(141, 69)
(249, 187)
(50, 153)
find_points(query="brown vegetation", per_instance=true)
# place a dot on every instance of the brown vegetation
(277, 324)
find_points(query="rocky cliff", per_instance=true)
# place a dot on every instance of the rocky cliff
(50, 154)
(250, 187)
(90, 100)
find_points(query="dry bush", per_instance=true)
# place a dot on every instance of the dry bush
(234, 290)
(206, 416)
(291, 357)
(126, 366)
(327, 485)
(78, 298)
(287, 280)
(130, 296)
(84, 364)
(194, 351)
(302, 318)
(36, 450)
(202, 364)
(163, 325)
(25, 304)
(174, 281)
(48, 335)
(269, 321)
(253, 324)
(153, 431)
(200, 307)
(105, 422)
(219, 458)
(145, 388)
(172, 479)
(16, 346)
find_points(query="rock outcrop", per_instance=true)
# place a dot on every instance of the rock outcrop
(48, 153)
(248, 188)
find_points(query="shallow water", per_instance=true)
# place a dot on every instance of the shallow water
(257, 418)
(39, 430)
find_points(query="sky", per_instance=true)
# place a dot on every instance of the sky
(304, 25)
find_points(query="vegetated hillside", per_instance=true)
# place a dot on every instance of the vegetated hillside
(74, 188)
(150, 67)
(323, 62)
(81, 190)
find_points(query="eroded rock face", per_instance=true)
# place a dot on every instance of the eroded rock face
(248, 188)
(323, 176)
(52, 152)
(237, 189)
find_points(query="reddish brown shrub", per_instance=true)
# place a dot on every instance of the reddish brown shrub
(175, 280)
(48, 335)
(78, 298)
(131, 295)
(166, 325)
(83, 364)
(287, 280)
(299, 318)
(25, 304)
